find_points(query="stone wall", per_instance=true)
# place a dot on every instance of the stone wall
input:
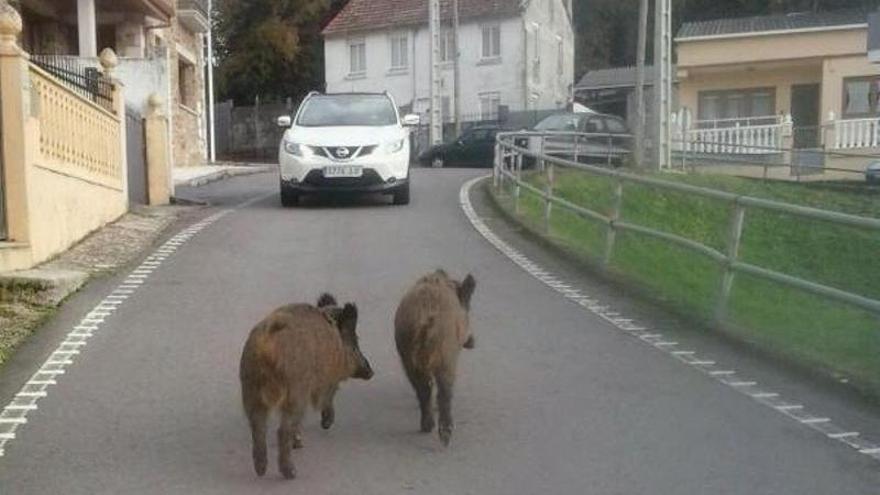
(187, 100)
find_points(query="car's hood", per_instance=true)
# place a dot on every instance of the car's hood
(345, 135)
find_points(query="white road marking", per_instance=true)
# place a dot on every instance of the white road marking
(15, 413)
(687, 357)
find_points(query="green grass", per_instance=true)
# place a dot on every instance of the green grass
(834, 337)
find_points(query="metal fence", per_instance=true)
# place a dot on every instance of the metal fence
(509, 165)
(87, 82)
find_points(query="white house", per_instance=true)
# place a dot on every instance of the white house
(513, 53)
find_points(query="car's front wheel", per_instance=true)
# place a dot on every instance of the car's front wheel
(401, 195)
(289, 198)
(438, 161)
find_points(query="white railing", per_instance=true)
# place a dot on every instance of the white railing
(856, 133)
(752, 136)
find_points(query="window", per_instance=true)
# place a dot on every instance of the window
(753, 106)
(536, 54)
(615, 126)
(399, 51)
(186, 75)
(347, 110)
(446, 107)
(860, 97)
(447, 46)
(357, 57)
(594, 125)
(560, 58)
(491, 41)
(489, 103)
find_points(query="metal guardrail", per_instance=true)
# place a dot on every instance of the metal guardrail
(508, 166)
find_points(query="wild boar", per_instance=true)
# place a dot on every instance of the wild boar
(430, 328)
(296, 357)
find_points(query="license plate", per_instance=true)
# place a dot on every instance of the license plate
(343, 171)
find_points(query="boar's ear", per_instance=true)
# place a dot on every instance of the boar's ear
(348, 318)
(326, 300)
(466, 290)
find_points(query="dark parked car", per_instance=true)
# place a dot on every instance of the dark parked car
(872, 173)
(474, 148)
(611, 143)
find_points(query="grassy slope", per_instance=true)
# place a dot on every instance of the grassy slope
(835, 337)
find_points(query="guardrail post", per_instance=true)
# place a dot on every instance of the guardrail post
(608, 151)
(496, 169)
(613, 217)
(548, 204)
(737, 219)
(541, 154)
(577, 144)
(516, 189)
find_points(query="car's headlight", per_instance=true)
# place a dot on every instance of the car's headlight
(395, 146)
(294, 149)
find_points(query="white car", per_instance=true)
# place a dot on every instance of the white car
(345, 143)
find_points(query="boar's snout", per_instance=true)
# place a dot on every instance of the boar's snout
(364, 370)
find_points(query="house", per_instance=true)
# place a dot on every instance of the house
(160, 48)
(514, 54)
(612, 91)
(809, 71)
(84, 133)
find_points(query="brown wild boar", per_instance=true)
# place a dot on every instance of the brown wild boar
(430, 328)
(296, 357)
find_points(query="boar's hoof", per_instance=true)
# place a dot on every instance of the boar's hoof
(297, 441)
(469, 343)
(260, 463)
(288, 472)
(427, 424)
(328, 416)
(445, 435)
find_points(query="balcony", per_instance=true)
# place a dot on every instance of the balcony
(193, 14)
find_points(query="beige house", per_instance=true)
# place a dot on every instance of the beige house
(160, 44)
(802, 76)
(67, 150)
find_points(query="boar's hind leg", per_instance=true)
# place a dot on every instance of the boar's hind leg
(328, 413)
(445, 381)
(257, 415)
(421, 382)
(291, 416)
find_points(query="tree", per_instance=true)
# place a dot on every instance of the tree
(270, 48)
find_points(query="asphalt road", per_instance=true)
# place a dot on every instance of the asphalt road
(552, 400)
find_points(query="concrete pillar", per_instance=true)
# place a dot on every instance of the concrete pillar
(87, 24)
(158, 159)
(15, 94)
(109, 61)
(130, 38)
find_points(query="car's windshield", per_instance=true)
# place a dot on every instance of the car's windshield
(559, 122)
(347, 110)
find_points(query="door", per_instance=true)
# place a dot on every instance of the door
(805, 115)
(136, 158)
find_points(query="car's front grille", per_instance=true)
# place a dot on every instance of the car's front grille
(343, 152)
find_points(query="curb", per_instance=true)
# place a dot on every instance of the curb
(223, 174)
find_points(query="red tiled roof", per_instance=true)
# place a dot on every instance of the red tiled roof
(359, 15)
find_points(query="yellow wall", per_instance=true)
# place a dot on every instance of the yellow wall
(770, 48)
(782, 79)
(835, 70)
(778, 61)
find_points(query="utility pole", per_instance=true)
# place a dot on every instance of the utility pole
(212, 135)
(436, 73)
(456, 69)
(662, 82)
(641, 48)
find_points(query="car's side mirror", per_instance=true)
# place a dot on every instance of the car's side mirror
(284, 121)
(411, 119)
